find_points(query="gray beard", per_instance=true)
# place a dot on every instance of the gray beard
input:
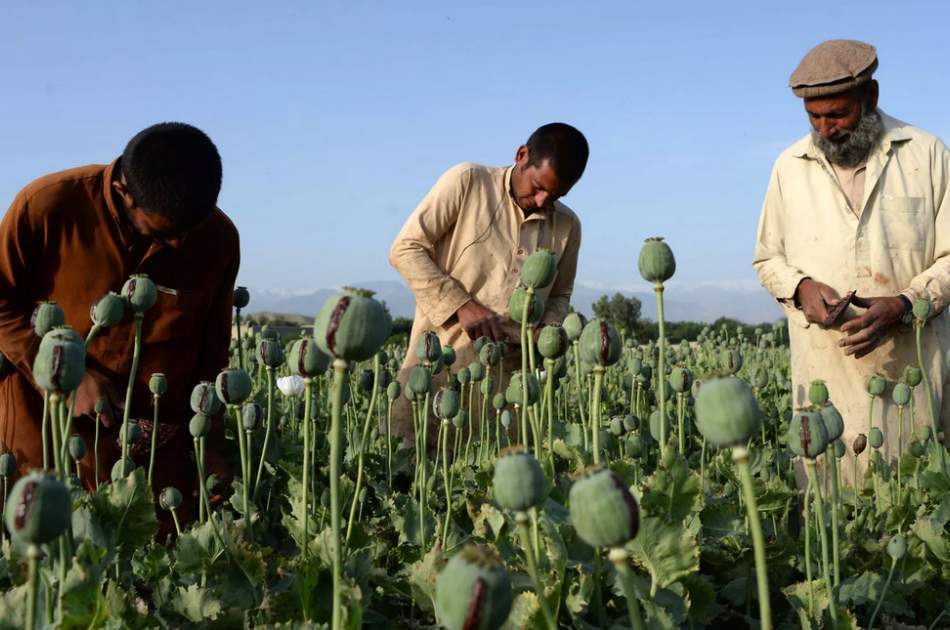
(855, 149)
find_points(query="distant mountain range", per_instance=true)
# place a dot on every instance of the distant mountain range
(703, 303)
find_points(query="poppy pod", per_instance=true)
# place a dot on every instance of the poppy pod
(233, 386)
(420, 382)
(807, 435)
(351, 327)
(860, 444)
(490, 354)
(901, 394)
(515, 385)
(306, 359)
(158, 384)
(140, 292)
(498, 402)
(60, 362)
(913, 376)
(876, 385)
(727, 413)
(656, 422)
(448, 356)
(252, 415)
(77, 447)
(519, 482)
(38, 509)
(393, 390)
(7, 464)
(445, 403)
(473, 592)
(505, 418)
(603, 512)
(460, 420)
(429, 347)
(656, 260)
(516, 305)
(818, 393)
(200, 425)
(539, 269)
(242, 297)
(476, 371)
(553, 342)
(204, 399)
(170, 498)
(45, 317)
(600, 344)
(122, 468)
(574, 325)
(463, 376)
(922, 309)
(834, 423)
(876, 438)
(108, 310)
(270, 353)
(731, 360)
(681, 379)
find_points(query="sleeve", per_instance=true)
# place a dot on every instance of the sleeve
(559, 299)
(438, 295)
(776, 275)
(20, 243)
(217, 334)
(933, 282)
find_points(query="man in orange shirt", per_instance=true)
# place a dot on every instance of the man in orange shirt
(71, 237)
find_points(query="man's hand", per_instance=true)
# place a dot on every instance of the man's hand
(816, 299)
(867, 331)
(93, 387)
(479, 321)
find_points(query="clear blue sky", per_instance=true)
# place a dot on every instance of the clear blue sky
(334, 118)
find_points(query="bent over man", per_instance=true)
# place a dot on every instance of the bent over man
(75, 235)
(859, 204)
(461, 250)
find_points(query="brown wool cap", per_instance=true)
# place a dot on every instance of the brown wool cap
(834, 66)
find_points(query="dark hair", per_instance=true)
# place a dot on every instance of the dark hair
(173, 169)
(563, 146)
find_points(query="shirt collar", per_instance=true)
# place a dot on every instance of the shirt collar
(894, 131)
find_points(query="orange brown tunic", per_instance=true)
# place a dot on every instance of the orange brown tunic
(65, 238)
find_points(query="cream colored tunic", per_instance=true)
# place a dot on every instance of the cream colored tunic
(896, 241)
(467, 240)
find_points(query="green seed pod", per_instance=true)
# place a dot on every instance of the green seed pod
(200, 425)
(922, 309)
(656, 261)
(133, 432)
(506, 419)
(233, 386)
(616, 426)
(460, 420)
(38, 509)
(140, 292)
(419, 383)
(519, 482)
(490, 354)
(252, 415)
(818, 393)
(631, 423)
(476, 371)
(840, 449)
(60, 362)
(429, 347)
(352, 327)
(170, 498)
(655, 426)
(731, 361)
(539, 269)
(912, 376)
(574, 325)
(270, 353)
(242, 297)
(860, 444)
(603, 512)
(46, 316)
(680, 380)
(875, 438)
(498, 402)
(923, 433)
(634, 364)
(158, 384)
(122, 468)
(100, 406)
(306, 359)
(269, 333)
(393, 390)
(7, 464)
(761, 378)
(807, 436)
(876, 385)
(514, 392)
(108, 310)
(204, 399)
(77, 447)
(463, 376)
(897, 545)
(727, 413)
(600, 343)
(473, 592)
(445, 403)
(448, 356)
(516, 304)
(917, 449)
(834, 423)
(901, 394)
(553, 342)
(487, 386)
(366, 381)
(479, 343)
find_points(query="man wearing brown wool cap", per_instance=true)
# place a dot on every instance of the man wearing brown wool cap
(860, 204)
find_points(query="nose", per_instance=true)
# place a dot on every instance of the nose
(827, 128)
(542, 199)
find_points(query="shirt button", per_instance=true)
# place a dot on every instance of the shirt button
(521, 251)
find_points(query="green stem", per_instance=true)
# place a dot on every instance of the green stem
(44, 431)
(267, 431)
(33, 583)
(524, 367)
(887, 585)
(446, 479)
(339, 373)
(900, 448)
(825, 564)
(151, 456)
(595, 414)
(133, 372)
(619, 557)
(389, 446)
(362, 452)
(807, 526)
(835, 508)
(741, 456)
(305, 502)
(937, 446)
(240, 342)
(661, 367)
(521, 518)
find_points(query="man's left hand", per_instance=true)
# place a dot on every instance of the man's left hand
(866, 332)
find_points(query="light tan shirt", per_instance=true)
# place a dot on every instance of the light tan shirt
(851, 181)
(467, 240)
(897, 240)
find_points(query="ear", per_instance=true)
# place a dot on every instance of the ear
(124, 193)
(522, 155)
(874, 93)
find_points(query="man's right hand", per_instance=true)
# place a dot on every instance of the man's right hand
(815, 299)
(479, 321)
(93, 387)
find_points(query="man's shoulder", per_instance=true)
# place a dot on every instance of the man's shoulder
(471, 171)
(565, 211)
(52, 188)
(222, 230)
(897, 130)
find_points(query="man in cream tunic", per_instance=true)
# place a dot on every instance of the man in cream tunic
(859, 204)
(462, 248)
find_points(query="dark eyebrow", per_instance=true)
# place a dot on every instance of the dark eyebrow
(537, 184)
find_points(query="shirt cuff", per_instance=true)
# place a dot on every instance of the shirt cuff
(442, 310)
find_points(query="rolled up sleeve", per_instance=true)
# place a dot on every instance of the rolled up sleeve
(438, 295)
(19, 242)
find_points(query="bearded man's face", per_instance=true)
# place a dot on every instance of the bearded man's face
(846, 127)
